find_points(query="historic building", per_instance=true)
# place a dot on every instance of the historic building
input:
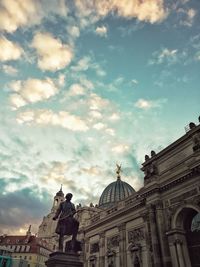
(32, 250)
(157, 226)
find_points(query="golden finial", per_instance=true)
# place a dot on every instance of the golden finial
(118, 170)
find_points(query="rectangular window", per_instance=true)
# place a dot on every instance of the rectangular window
(22, 248)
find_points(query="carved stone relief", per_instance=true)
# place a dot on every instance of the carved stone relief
(150, 170)
(136, 235)
(113, 242)
(94, 247)
(196, 142)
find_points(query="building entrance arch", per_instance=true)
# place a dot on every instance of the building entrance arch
(184, 237)
(192, 228)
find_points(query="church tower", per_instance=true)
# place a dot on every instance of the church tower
(47, 227)
(59, 197)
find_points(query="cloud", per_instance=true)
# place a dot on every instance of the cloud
(147, 10)
(134, 82)
(73, 31)
(148, 104)
(95, 114)
(110, 131)
(97, 103)
(17, 101)
(76, 89)
(19, 13)
(48, 117)
(165, 55)
(31, 91)
(87, 63)
(10, 70)
(114, 117)
(99, 126)
(101, 31)
(120, 148)
(9, 50)
(61, 79)
(187, 16)
(53, 54)
(93, 170)
(83, 64)
(21, 207)
(197, 56)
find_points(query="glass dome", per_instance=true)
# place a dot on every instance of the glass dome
(115, 192)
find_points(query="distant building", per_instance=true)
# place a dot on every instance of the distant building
(27, 248)
(157, 226)
(5, 257)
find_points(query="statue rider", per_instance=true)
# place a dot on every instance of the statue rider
(67, 224)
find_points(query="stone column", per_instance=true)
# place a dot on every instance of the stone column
(102, 249)
(160, 224)
(122, 245)
(173, 253)
(178, 244)
(178, 248)
(154, 238)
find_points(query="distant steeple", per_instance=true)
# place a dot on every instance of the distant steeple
(28, 233)
(59, 197)
(60, 192)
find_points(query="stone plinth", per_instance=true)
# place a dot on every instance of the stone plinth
(64, 259)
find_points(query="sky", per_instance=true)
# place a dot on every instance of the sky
(85, 85)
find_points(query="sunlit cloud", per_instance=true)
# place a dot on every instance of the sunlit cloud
(120, 148)
(148, 104)
(73, 31)
(53, 54)
(76, 90)
(97, 103)
(31, 91)
(148, 10)
(114, 117)
(9, 50)
(48, 117)
(10, 70)
(101, 31)
(19, 13)
(99, 126)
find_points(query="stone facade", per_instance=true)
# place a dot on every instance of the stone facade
(151, 228)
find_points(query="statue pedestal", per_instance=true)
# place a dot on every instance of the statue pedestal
(63, 259)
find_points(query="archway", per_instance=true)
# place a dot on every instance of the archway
(186, 236)
(192, 228)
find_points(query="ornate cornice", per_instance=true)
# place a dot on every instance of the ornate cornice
(159, 189)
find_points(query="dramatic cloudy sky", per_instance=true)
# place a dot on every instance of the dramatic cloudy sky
(86, 84)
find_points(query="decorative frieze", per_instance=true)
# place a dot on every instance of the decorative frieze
(183, 196)
(136, 235)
